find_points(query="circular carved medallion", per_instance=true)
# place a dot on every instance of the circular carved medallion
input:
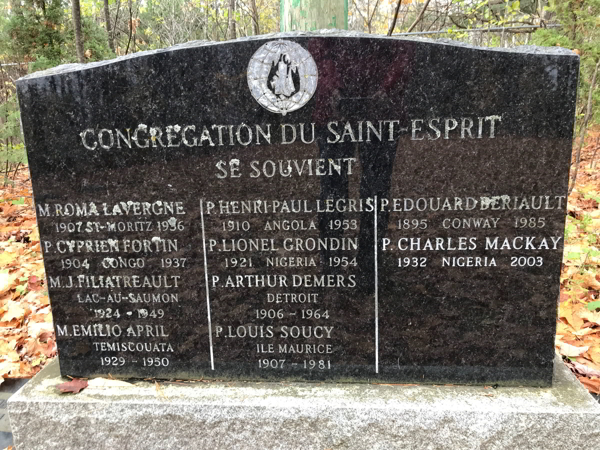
(282, 76)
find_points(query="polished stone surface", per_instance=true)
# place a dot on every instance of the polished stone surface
(342, 207)
(307, 416)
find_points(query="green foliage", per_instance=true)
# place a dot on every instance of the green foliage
(12, 151)
(593, 306)
(551, 37)
(9, 110)
(42, 34)
(95, 42)
(470, 14)
(592, 196)
(585, 222)
(580, 30)
(570, 228)
(32, 32)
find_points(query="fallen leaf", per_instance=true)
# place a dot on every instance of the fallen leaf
(43, 300)
(7, 351)
(593, 306)
(14, 311)
(568, 311)
(585, 331)
(74, 386)
(590, 316)
(36, 329)
(9, 369)
(592, 384)
(585, 370)
(585, 360)
(7, 258)
(594, 353)
(38, 361)
(589, 281)
(34, 283)
(571, 350)
(563, 329)
(34, 347)
(34, 237)
(45, 336)
(51, 350)
(6, 282)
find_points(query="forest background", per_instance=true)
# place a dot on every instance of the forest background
(39, 34)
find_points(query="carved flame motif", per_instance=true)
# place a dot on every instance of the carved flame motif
(282, 76)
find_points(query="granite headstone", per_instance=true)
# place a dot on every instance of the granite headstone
(323, 206)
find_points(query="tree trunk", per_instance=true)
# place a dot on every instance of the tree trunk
(111, 44)
(231, 28)
(78, 34)
(255, 17)
(216, 27)
(395, 18)
(206, 22)
(130, 6)
(419, 17)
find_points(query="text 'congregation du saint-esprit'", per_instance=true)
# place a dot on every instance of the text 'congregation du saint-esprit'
(334, 132)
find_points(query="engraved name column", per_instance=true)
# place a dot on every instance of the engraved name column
(122, 263)
(277, 253)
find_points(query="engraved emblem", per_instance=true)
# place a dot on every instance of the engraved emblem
(282, 76)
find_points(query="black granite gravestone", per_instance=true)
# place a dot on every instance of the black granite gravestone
(330, 207)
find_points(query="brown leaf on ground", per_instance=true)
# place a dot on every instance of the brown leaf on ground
(26, 335)
(563, 329)
(14, 310)
(8, 258)
(588, 204)
(592, 384)
(591, 316)
(34, 283)
(569, 311)
(8, 352)
(579, 325)
(36, 347)
(7, 282)
(74, 386)
(34, 237)
(585, 370)
(588, 280)
(8, 369)
(571, 350)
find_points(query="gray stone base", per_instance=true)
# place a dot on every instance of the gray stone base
(240, 416)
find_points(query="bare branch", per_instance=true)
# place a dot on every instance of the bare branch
(393, 25)
(373, 13)
(419, 17)
(360, 13)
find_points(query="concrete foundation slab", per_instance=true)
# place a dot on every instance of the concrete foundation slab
(215, 415)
